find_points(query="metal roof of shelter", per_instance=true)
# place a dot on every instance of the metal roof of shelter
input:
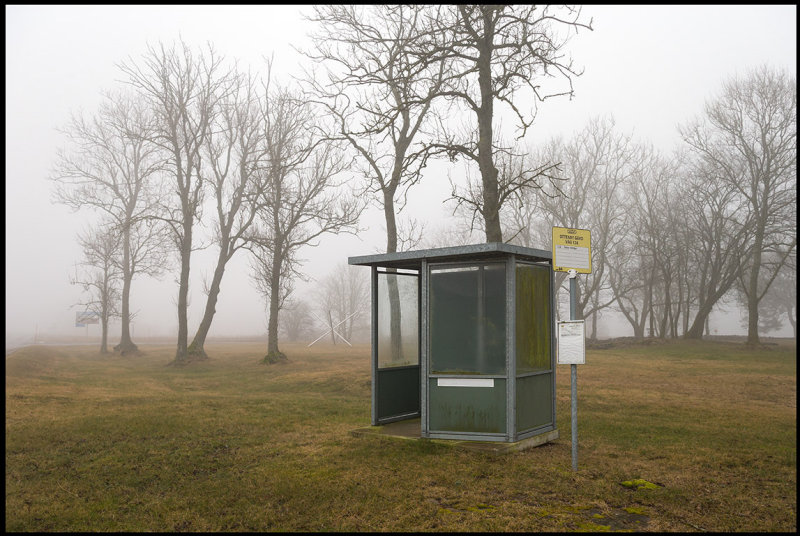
(412, 260)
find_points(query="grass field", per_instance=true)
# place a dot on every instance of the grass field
(128, 444)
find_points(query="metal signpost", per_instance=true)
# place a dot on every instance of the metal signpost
(572, 254)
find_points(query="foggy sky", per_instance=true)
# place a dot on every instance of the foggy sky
(651, 67)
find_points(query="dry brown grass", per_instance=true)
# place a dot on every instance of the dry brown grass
(129, 444)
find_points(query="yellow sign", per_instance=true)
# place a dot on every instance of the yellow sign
(572, 249)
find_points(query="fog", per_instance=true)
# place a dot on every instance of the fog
(650, 67)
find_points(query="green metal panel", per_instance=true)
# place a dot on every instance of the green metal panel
(534, 401)
(533, 318)
(467, 409)
(398, 392)
(534, 394)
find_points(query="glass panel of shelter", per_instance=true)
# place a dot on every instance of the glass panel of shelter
(398, 319)
(468, 319)
(396, 386)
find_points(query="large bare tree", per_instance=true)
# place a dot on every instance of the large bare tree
(183, 89)
(379, 94)
(303, 198)
(749, 135)
(112, 168)
(234, 160)
(716, 240)
(496, 53)
(595, 167)
(638, 274)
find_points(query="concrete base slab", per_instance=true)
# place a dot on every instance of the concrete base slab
(410, 430)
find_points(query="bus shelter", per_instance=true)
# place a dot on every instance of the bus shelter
(463, 338)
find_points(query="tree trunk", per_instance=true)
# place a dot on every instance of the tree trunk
(595, 305)
(126, 345)
(491, 198)
(197, 348)
(273, 353)
(330, 325)
(395, 333)
(752, 302)
(662, 332)
(104, 332)
(272, 327)
(755, 271)
(181, 355)
(104, 313)
(700, 321)
(638, 331)
(685, 319)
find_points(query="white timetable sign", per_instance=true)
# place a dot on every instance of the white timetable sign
(571, 342)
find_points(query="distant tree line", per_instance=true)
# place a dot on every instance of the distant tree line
(193, 133)
(191, 139)
(674, 236)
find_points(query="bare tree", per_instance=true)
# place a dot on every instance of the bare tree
(517, 174)
(637, 269)
(379, 95)
(234, 156)
(111, 168)
(496, 52)
(680, 252)
(716, 239)
(596, 165)
(302, 199)
(456, 234)
(629, 276)
(784, 293)
(183, 90)
(779, 304)
(296, 322)
(100, 275)
(749, 135)
(343, 299)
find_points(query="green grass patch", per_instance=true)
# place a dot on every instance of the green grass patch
(230, 444)
(640, 484)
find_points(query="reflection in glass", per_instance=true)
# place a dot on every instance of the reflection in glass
(398, 338)
(468, 319)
